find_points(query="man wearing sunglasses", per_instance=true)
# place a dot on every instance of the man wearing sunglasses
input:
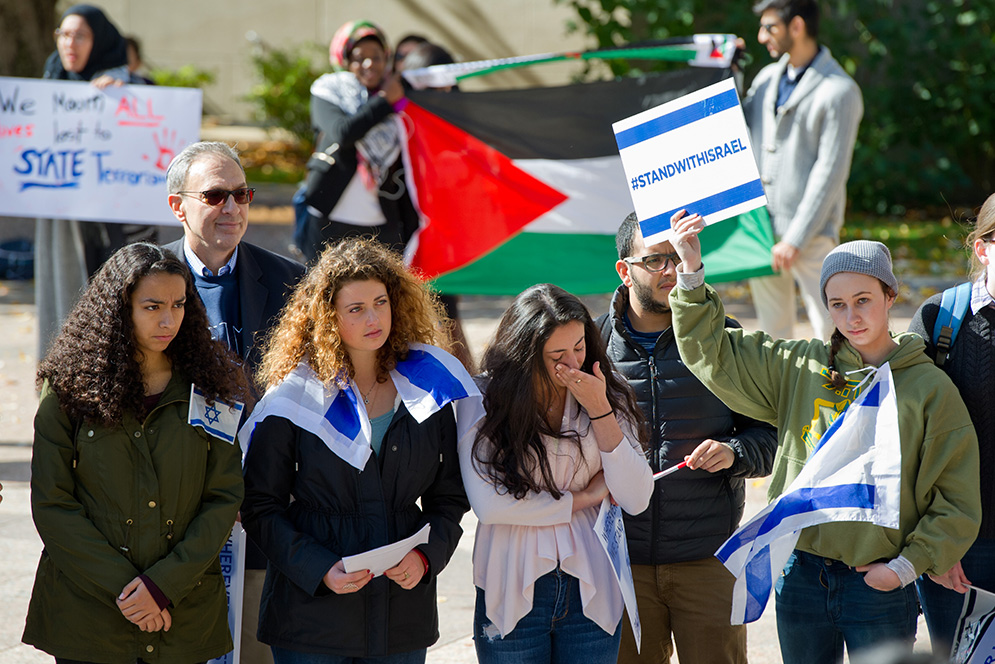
(803, 112)
(243, 288)
(682, 590)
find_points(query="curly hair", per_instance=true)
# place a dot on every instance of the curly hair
(508, 446)
(308, 326)
(94, 365)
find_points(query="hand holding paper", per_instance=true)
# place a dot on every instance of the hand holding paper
(381, 559)
(341, 582)
(408, 572)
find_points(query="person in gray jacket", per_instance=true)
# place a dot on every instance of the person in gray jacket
(681, 588)
(803, 112)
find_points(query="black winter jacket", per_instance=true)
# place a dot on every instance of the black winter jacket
(338, 511)
(971, 366)
(692, 511)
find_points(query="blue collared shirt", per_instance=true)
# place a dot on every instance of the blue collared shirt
(197, 265)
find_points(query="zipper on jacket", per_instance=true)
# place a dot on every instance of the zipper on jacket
(654, 444)
(127, 536)
(653, 402)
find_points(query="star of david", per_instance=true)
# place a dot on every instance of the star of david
(212, 414)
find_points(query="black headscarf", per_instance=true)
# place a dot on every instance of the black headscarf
(109, 48)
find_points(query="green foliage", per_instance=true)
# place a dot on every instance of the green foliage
(283, 96)
(924, 68)
(187, 76)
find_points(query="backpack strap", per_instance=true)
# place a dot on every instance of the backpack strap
(953, 308)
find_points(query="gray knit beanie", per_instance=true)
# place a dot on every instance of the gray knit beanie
(860, 256)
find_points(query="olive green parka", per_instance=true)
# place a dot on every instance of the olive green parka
(157, 497)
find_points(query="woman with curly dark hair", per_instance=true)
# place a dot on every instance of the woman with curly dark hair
(561, 433)
(133, 503)
(353, 447)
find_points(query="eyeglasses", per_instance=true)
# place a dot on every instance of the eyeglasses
(216, 197)
(768, 27)
(70, 36)
(655, 262)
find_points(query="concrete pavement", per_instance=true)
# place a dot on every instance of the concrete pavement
(20, 545)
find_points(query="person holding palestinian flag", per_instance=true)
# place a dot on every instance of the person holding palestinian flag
(355, 183)
(353, 447)
(846, 582)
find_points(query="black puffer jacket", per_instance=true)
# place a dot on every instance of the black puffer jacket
(693, 511)
(339, 511)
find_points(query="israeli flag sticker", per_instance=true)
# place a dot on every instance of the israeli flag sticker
(220, 419)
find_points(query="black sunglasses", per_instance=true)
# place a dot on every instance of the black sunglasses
(216, 197)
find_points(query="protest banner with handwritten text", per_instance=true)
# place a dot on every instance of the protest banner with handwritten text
(691, 153)
(71, 151)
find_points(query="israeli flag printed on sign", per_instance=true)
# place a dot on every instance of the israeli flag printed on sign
(218, 419)
(853, 475)
(690, 153)
(427, 381)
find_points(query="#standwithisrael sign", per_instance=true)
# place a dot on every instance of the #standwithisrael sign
(71, 151)
(692, 153)
(853, 475)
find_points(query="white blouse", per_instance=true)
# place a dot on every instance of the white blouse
(518, 541)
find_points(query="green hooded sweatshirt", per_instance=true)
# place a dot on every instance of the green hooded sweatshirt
(786, 383)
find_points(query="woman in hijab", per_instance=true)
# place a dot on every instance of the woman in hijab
(88, 48)
(355, 182)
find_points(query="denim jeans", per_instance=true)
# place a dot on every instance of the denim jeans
(942, 606)
(555, 631)
(284, 656)
(822, 604)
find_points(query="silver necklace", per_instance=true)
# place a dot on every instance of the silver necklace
(366, 397)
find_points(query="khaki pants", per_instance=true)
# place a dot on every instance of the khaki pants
(690, 601)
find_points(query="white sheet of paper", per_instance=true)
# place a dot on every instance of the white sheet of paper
(381, 559)
(610, 529)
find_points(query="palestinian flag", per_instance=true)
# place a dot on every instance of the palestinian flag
(518, 187)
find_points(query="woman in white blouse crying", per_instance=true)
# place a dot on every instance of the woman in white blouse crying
(560, 435)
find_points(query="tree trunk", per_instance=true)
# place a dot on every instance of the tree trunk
(26, 36)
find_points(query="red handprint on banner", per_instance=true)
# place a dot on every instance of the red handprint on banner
(166, 145)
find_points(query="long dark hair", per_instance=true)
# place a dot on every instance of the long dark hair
(93, 365)
(508, 447)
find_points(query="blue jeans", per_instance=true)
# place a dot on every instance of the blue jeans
(284, 656)
(942, 606)
(822, 604)
(555, 631)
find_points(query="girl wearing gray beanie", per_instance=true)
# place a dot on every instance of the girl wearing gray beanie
(846, 583)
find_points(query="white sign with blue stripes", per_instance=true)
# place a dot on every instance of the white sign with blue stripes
(691, 153)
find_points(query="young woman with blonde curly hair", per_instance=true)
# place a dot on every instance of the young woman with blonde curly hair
(353, 447)
(133, 503)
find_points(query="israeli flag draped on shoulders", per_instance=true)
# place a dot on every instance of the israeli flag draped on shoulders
(853, 475)
(427, 381)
